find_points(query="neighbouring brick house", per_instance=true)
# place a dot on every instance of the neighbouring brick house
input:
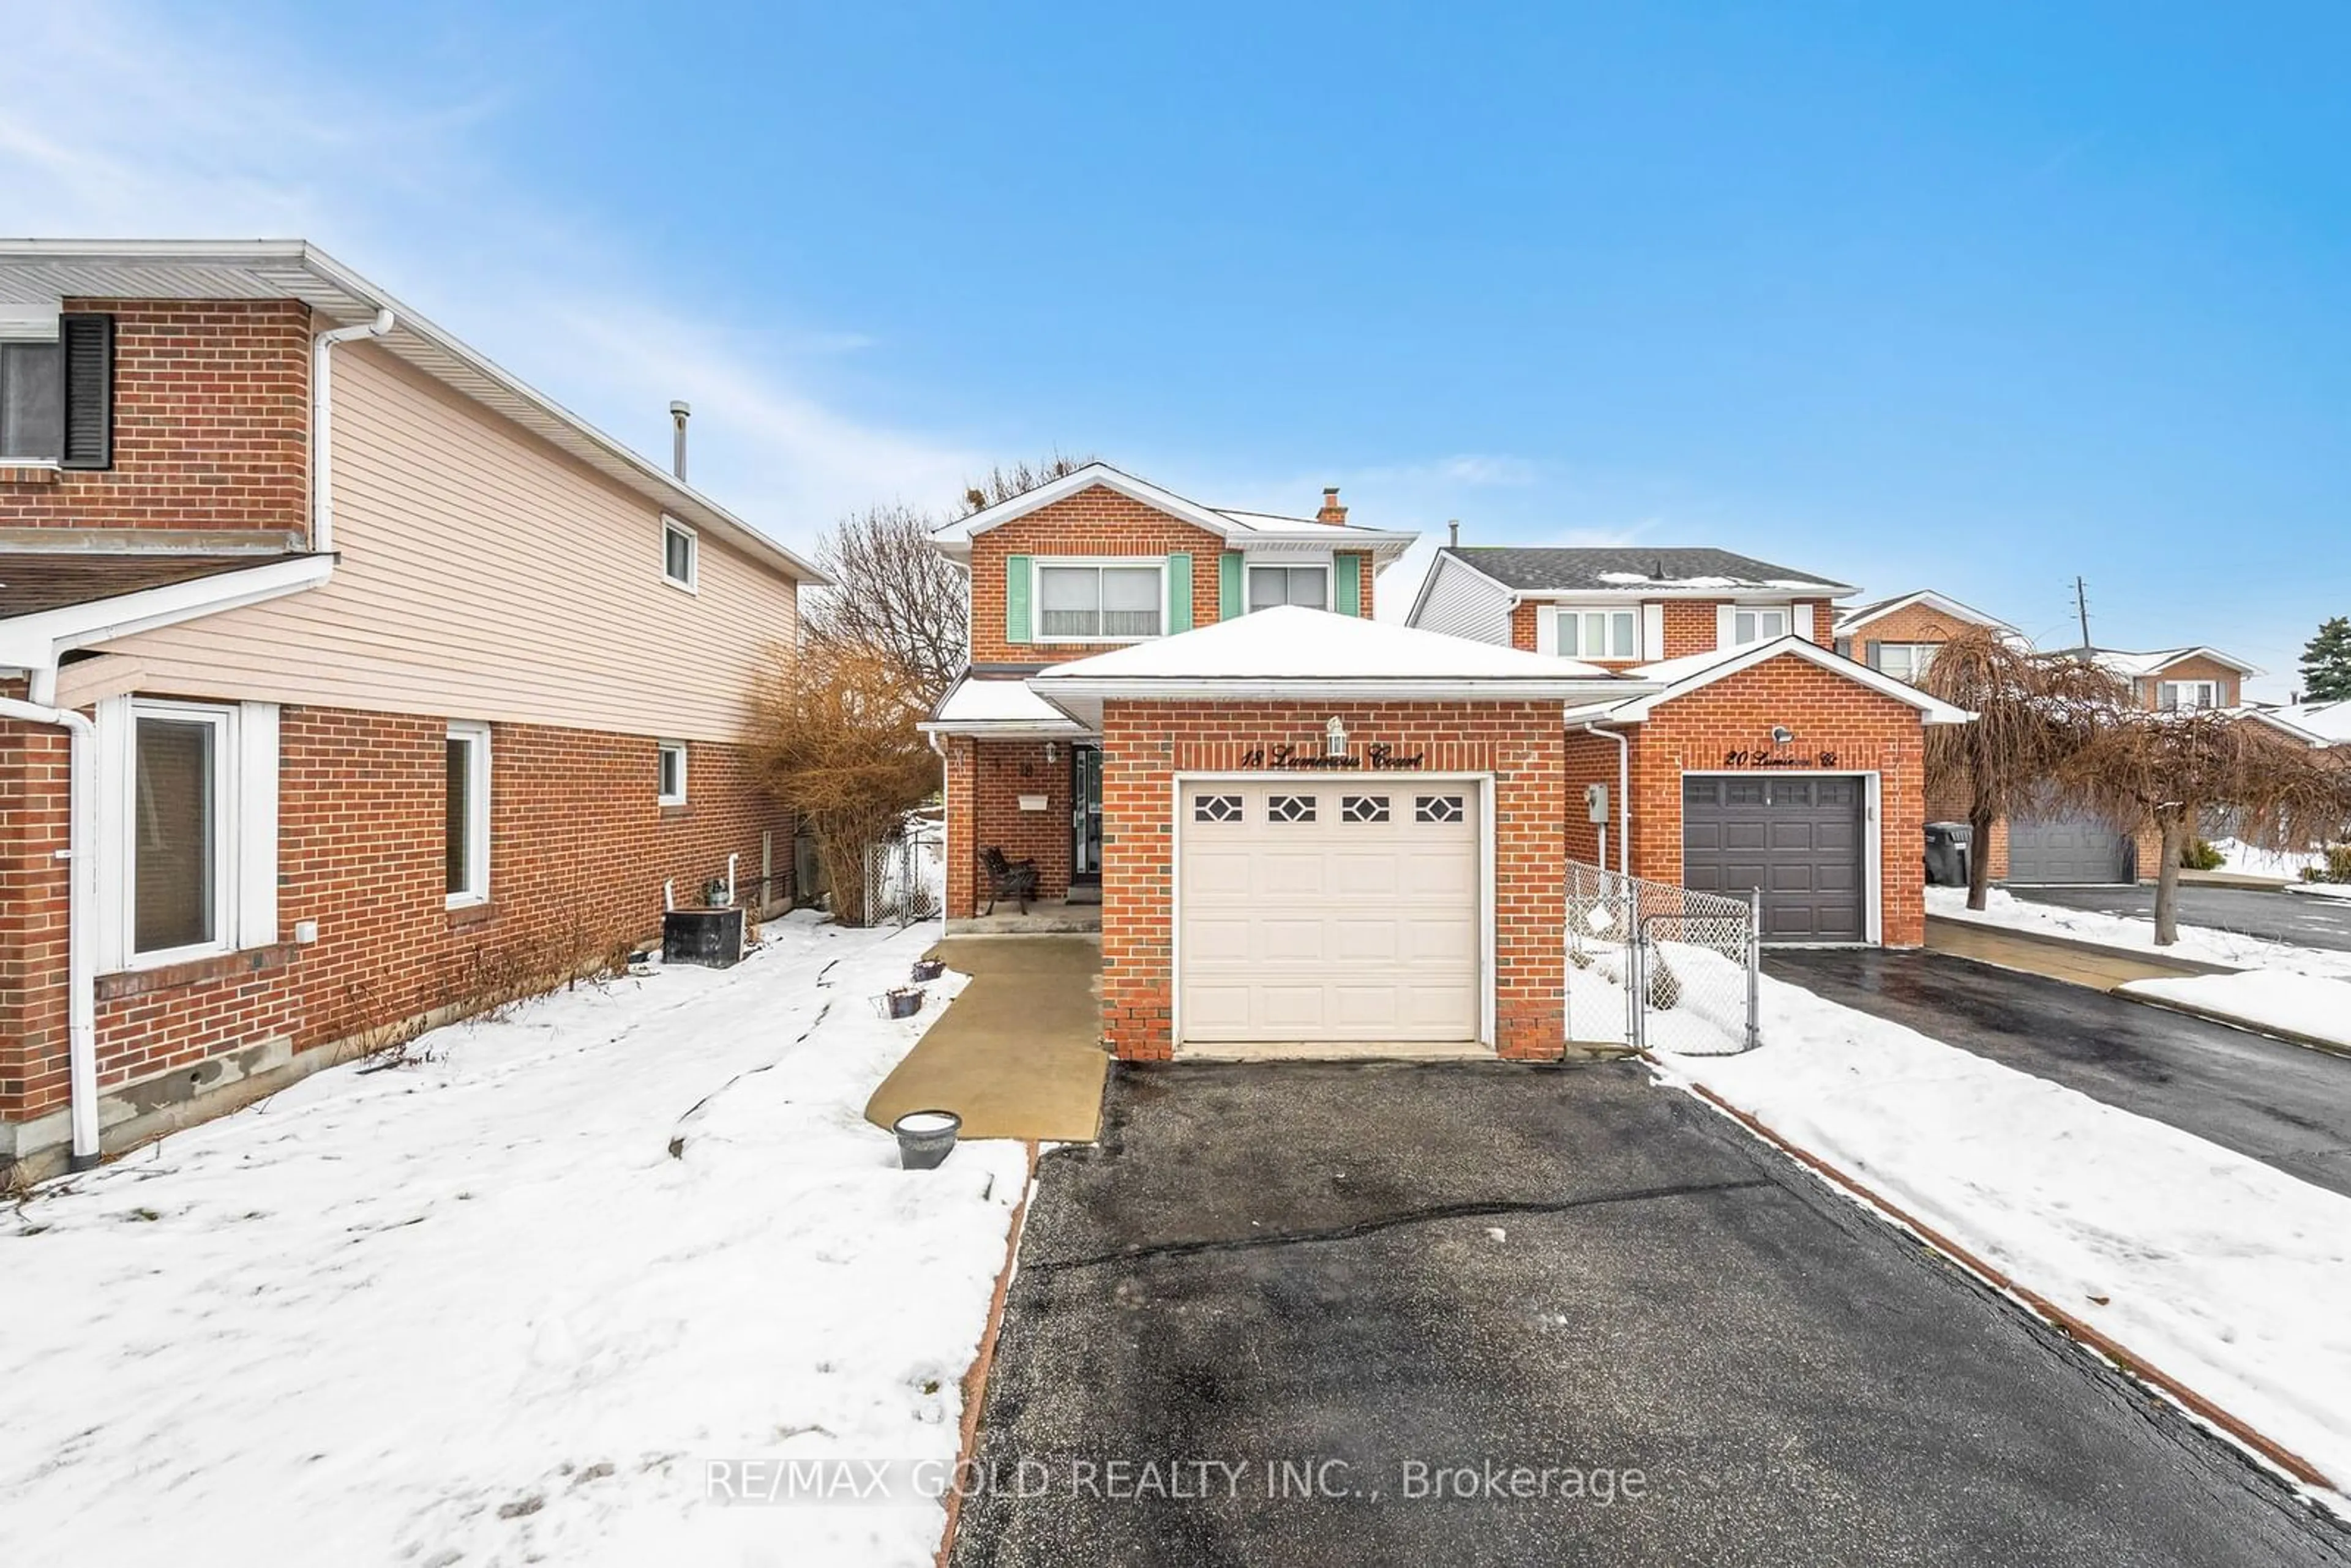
(358, 695)
(1312, 828)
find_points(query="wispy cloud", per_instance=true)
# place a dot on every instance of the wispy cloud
(204, 132)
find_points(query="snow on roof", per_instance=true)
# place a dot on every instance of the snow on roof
(1671, 678)
(995, 704)
(2123, 663)
(955, 538)
(1290, 642)
(2331, 721)
(1628, 567)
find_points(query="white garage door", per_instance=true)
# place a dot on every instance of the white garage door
(1340, 911)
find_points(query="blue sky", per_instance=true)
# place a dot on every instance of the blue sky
(1975, 298)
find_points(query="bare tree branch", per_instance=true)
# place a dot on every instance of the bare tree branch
(894, 597)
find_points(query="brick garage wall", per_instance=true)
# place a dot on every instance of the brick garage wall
(1868, 732)
(579, 850)
(1590, 760)
(1096, 521)
(33, 827)
(986, 779)
(1146, 744)
(212, 422)
(1954, 809)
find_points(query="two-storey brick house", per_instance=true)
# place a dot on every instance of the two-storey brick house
(347, 680)
(1310, 828)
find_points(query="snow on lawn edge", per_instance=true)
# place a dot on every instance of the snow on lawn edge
(2224, 1272)
(2210, 944)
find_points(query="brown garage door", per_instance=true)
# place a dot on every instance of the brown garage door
(1797, 837)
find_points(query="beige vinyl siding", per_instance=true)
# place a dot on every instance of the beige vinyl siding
(483, 575)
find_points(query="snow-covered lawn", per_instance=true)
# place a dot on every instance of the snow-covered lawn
(2251, 860)
(2202, 942)
(2225, 1273)
(474, 1311)
(2308, 1005)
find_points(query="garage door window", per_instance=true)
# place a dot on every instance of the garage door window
(1438, 808)
(1216, 807)
(1291, 809)
(1363, 808)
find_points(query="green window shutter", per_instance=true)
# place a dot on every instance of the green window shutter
(1347, 585)
(1179, 592)
(1016, 578)
(1228, 585)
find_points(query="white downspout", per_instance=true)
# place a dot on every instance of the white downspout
(322, 425)
(81, 906)
(1624, 796)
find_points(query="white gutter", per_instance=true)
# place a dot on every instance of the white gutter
(1624, 795)
(322, 427)
(81, 906)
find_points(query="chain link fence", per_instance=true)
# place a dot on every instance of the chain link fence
(905, 877)
(1659, 967)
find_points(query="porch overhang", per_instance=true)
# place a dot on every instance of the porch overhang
(999, 706)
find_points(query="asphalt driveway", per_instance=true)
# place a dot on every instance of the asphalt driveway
(1286, 1287)
(2299, 918)
(2283, 1104)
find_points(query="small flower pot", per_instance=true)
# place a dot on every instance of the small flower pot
(925, 1138)
(903, 1003)
(929, 970)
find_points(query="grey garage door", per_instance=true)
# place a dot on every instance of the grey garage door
(2067, 848)
(1797, 838)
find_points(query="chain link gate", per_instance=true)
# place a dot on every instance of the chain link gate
(905, 878)
(1660, 968)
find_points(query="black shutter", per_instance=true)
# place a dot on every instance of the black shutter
(89, 390)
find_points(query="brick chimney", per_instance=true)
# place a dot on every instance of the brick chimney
(1331, 513)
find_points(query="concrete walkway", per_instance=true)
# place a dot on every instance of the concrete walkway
(2077, 963)
(1018, 1053)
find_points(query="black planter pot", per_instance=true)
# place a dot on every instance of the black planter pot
(925, 1138)
(929, 970)
(903, 1003)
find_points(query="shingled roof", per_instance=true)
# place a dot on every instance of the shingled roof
(1631, 569)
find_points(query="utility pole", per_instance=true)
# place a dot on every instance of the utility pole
(2082, 608)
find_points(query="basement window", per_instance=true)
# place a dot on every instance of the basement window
(672, 788)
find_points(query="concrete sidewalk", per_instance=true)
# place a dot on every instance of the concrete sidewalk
(2099, 968)
(1018, 1053)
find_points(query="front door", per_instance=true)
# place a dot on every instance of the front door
(1085, 813)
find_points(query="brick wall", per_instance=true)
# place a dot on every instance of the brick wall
(1911, 624)
(579, 849)
(211, 421)
(1365, 575)
(2150, 689)
(1096, 521)
(986, 779)
(1146, 744)
(1868, 733)
(1590, 760)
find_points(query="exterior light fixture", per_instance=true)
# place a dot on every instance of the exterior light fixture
(1335, 738)
(1781, 735)
(1052, 754)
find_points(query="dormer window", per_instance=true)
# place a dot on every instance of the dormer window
(1100, 602)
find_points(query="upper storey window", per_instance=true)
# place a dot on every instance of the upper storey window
(1598, 635)
(1304, 585)
(1757, 626)
(57, 392)
(1095, 602)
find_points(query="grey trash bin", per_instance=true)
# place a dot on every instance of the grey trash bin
(1946, 853)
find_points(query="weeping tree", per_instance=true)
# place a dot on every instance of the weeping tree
(839, 749)
(2033, 712)
(2170, 769)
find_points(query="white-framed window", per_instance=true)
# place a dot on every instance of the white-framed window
(2171, 696)
(1757, 624)
(1100, 600)
(186, 827)
(1599, 633)
(182, 861)
(1905, 661)
(32, 402)
(672, 764)
(465, 821)
(681, 556)
(1304, 585)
